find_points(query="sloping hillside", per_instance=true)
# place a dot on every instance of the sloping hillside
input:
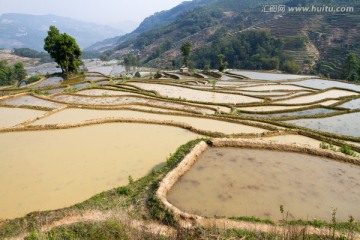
(316, 42)
(157, 20)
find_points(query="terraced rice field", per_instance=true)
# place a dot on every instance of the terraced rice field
(52, 157)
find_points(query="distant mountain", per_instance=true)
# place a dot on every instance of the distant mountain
(126, 26)
(29, 31)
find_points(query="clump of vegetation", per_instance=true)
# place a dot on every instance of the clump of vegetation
(291, 67)
(346, 149)
(39, 92)
(10, 74)
(70, 89)
(213, 83)
(33, 79)
(137, 74)
(351, 67)
(222, 64)
(131, 180)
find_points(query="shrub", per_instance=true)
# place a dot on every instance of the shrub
(33, 79)
(137, 74)
(291, 67)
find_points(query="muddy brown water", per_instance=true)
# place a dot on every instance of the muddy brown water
(10, 117)
(246, 182)
(52, 169)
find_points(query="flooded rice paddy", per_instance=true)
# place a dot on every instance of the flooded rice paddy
(53, 169)
(246, 182)
(269, 108)
(331, 94)
(48, 82)
(68, 116)
(10, 117)
(274, 88)
(128, 100)
(30, 101)
(268, 76)
(353, 104)
(294, 139)
(325, 84)
(105, 92)
(346, 124)
(196, 95)
(315, 111)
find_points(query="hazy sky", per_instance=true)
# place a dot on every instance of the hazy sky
(98, 11)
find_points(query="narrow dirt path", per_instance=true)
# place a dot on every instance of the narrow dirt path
(98, 216)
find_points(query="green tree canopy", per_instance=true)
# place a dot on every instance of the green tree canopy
(185, 50)
(222, 64)
(351, 67)
(9, 74)
(19, 71)
(64, 50)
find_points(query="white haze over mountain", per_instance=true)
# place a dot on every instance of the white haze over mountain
(105, 12)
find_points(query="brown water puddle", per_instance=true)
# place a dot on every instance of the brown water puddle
(243, 182)
(80, 115)
(53, 169)
(12, 116)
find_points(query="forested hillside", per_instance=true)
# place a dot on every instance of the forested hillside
(248, 37)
